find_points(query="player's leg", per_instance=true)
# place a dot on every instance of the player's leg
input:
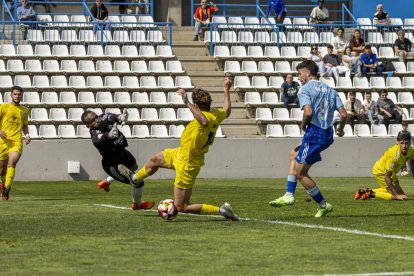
(13, 158)
(288, 198)
(162, 159)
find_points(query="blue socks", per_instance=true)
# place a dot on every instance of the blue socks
(291, 184)
(317, 196)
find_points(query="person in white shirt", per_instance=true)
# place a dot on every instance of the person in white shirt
(371, 109)
(351, 60)
(316, 57)
(319, 14)
(339, 43)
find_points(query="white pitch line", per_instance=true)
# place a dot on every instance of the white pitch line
(303, 225)
(368, 274)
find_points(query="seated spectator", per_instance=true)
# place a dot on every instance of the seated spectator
(370, 62)
(316, 57)
(202, 16)
(319, 14)
(371, 109)
(354, 109)
(100, 14)
(356, 43)
(403, 46)
(290, 90)
(388, 109)
(26, 13)
(352, 61)
(381, 17)
(333, 65)
(339, 44)
(279, 9)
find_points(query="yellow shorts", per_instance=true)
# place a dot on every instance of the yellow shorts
(380, 178)
(185, 176)
(9, 146)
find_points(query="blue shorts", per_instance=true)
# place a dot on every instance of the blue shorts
(310, 153)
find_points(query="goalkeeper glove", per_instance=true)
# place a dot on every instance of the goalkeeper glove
(113, 133)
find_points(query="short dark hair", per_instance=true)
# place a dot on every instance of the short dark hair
(340, 29)
(404, 135)
(84, 114)
(310, 65)
(383, 92)
(18, 88)
(202, 98)
(329, 46)
(368, 93)
(352, 93)
(368, 46)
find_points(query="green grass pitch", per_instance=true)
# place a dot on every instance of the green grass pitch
(58, 228)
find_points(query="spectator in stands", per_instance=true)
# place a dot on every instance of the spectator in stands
(370, 62)
(352, 61)
(202, 16)
(381, 17)
(122, 6)
(319, 14)
(403, 46)
(100, 14)
(354, 109)
(388, 109)
(144, 8)
(316, 57)
(356, 43)
(333, 65)
(26, 13)
(339, 44)
(279, 9)
(290, 91)
(371, 109)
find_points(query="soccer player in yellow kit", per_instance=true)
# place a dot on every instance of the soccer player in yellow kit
(13, 119)
(386, 168)
(188, 158)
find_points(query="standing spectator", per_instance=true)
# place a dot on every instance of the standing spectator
(388, 109)
(202, 16)
(354, 110)
(339, 44)
(319, 14)
(122, 6)
(356, 43)
(403, 46)
(279, 8)
(371, 109)
(316, 57)
(100, 14)
(334, 65)
(26, 13)
(352, 61)
(290, 91)
(381, 17)
(370, 62)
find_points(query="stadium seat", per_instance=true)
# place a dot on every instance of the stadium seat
(378, 130)
(139, 66)
(77, 51)
(57, 114)
(86, 97)
(164, 51)
(159, 131)
(249, 66)
(348, 132)
(173, 66)
(146, 21)
(39, 114)
(274, 131)
(130, 82)
(166, 82)
(183, 82)
(66, 131)
(228, 37)
(86, 66)
(146, 51)
(126, 130)
(121, 66)
(375, 38)
(361, 82)
(138, 36)
(129, 19)
(282, 67)
(47, 131)
(251, 22)
(87, 36)
(60, 50)
(133, 114)
(213, 36)
(104, 98)
(259, 82)
(252, 98)
(148, 82)
(61, 20)
(140, 131)
(270, 98)
(294, 38)
(221, 51)
(156, 66)
(129, 51)
(241, 82)
(74, 114)
(265, 66)
(69, 36)
(235, 22)
(158, 98)
(408, 82)
(33, 131)
(121, 36)
(221, 21)
(58, 82)
(2, 66)
(174, 98)
(24, 50)
(49, 98)
(50, 66)
(276, 81)
(296, 114)
(277, 37)
(362, 130)
(79, 82)
(304, 51)
(386, 52)
(149, 114)
(34, 36)
(238, 51)
(68, 98)
(269, 21)
(31, 98)
(263, 113)
(184, 114)
(97, 110)
(231, 66)
(271, 51)
(7, 50)
(409, 24)
(22, 81)
(167, 114)
(103, 66)
(366, 24)
(399, 67)
(95, 51)
(376, 82)
(6, 81)
(122, 98)
(328, 80)
(281, 114)
(112, 51)
(389, 38)
(326, 37)
(301, 23)
(261, 37)
(68, 65)
(393, 129)
(155, 36)
(15, 65)
(405, 98)
(113, 82)
(310, 38)
(255, 51)
(291, 131)
(42, 50)
(140, 98)
(33, 65)
(245, 37)
(175, 131)
(393, 82)
(103, 35)
(288, 51)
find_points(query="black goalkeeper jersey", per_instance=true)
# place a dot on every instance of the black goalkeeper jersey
(107, 147)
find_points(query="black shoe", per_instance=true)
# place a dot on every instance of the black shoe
(195, 38)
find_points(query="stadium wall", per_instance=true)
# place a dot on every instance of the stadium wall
(395, 8)
(47, 160)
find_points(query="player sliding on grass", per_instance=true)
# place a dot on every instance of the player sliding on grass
(188, 158)
(386, 168)
(318, 101)
(13, 120)
(111, 144)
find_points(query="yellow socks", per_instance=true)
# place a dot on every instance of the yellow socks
(9, 176)
(209, 209)
(380, 193)
(141, 174)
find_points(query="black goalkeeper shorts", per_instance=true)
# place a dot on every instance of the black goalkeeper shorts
(110, 164)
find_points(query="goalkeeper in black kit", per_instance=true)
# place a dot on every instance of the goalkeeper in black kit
(111, 144)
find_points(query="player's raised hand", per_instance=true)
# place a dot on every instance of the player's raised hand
(228, 82)
(113, 133)
(123, 118)
(3, 135)
(183, 95)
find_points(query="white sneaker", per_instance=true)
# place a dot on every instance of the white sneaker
(229, 212)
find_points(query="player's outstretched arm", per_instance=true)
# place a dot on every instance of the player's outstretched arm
(228, 82)
(198, 115)
(342, 121)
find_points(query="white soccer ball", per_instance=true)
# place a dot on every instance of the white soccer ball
(167, 209)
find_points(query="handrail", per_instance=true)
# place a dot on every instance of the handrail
(345, 9)
(4, 6)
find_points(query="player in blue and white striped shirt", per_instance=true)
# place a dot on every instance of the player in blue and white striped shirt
(318, 102)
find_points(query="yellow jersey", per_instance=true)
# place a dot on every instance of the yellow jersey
(196, 139)
(392, 160)
(12, 120)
